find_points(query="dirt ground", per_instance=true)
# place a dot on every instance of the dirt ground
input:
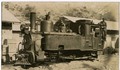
(104, 62)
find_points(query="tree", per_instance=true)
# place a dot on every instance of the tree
(27, 11)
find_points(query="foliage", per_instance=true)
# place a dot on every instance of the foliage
(87, 13)
(82, 12)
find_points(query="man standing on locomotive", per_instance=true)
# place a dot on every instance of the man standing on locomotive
(47, 16)
(103, 29)
(27, 40)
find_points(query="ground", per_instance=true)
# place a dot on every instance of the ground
(104, 62)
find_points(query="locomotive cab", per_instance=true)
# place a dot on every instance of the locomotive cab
(84, 27)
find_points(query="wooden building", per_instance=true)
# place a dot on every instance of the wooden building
(10, 33)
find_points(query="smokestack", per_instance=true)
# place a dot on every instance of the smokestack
(32, 21)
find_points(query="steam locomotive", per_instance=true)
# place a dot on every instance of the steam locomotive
(79, 40)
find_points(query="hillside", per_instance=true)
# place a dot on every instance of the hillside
(86, 10)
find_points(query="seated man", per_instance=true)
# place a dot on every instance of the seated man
(60, 26)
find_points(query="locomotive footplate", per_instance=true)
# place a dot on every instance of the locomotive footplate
(76, 58)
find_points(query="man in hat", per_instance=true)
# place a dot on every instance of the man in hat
(27, 40)
(103, 28)
(47, 16)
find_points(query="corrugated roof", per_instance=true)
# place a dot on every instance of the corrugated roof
(8, 17)
(110, 24)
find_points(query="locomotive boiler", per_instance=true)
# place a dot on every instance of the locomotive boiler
(80, 40)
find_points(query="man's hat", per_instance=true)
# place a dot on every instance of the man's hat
(26, 27)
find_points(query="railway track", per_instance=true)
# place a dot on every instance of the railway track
(104, 63)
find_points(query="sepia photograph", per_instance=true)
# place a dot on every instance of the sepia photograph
(59, 35)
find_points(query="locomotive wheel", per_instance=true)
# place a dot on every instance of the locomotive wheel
(95, 55)
(31, 58)
(53, 57)
(25, 66)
